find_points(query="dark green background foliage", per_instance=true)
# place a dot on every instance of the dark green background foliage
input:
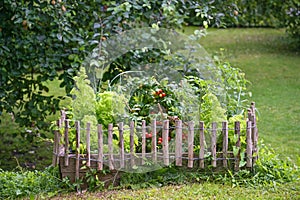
(41, 40)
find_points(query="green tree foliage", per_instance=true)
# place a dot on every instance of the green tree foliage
(41, 40)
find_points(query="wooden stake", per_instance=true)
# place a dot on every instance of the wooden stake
(100, 147)
(154, 144)
(238, 146)
(121, 145)
(213, 144)
(143, 141)
(178, 143)
(132, 162)
(77, 164)
(88, 144)
(110, 147)
(202, 144)
(225, 142)
(190, 144)
(66, 142)
(165, 142)
(249, 145)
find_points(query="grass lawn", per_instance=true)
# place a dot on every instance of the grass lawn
(195, 191)
(274, 71)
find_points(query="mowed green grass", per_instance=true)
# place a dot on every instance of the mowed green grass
(205, 190)
(273, 68)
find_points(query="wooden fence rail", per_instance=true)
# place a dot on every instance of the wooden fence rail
(196, 137)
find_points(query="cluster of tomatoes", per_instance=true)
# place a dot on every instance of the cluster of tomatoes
(159, 93)
(159, 141)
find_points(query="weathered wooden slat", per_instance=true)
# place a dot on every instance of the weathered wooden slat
(132, 163)
(66, 137)
(143, 141)
(88, 144)
(121, 145)
(110, 147)
(77, 163)
(56, 143)
(237, 132)
(214, 144)
(202, 144)
(154, 143)
(178, 143)
(254, 134)
(100, 147)
(165, 142)
(225, 142)
(190, 144)
(249, 144)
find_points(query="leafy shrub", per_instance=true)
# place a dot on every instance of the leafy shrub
(31, 183)
(293, 20)
(109, 107)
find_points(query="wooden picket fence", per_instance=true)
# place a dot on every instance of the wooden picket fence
(75, 164)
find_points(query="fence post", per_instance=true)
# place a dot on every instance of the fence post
(77, 164)
(225, 142)
(110, 147)
(178, 143)
(100, 147)
(132, 163)
(202, 143)
(55, 158)
(121, 143)
(214, 144)
(238, 145)
(66, 142)
(165, 142)
(191, 144)
(249, 145)
(254, 133)
(88, 144)
(143, 141)
(154, 145)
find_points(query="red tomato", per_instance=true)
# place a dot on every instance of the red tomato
(148, 135)
(158, 91)
(163, 94)
(160, 139)
(159, 142)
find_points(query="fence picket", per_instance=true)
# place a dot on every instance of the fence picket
(121, 143)
(100, 147)
(190, 144)
(110, 147)
(154, 144)
(66, 142)
(249, 145)
(88, 144)
(214, 144)
(132, 162)
(77, 164)
(202, 143)
(165, 142)
(178, 143)
(254, 133)
(225, 142)
(143, 141)
(237, 145)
